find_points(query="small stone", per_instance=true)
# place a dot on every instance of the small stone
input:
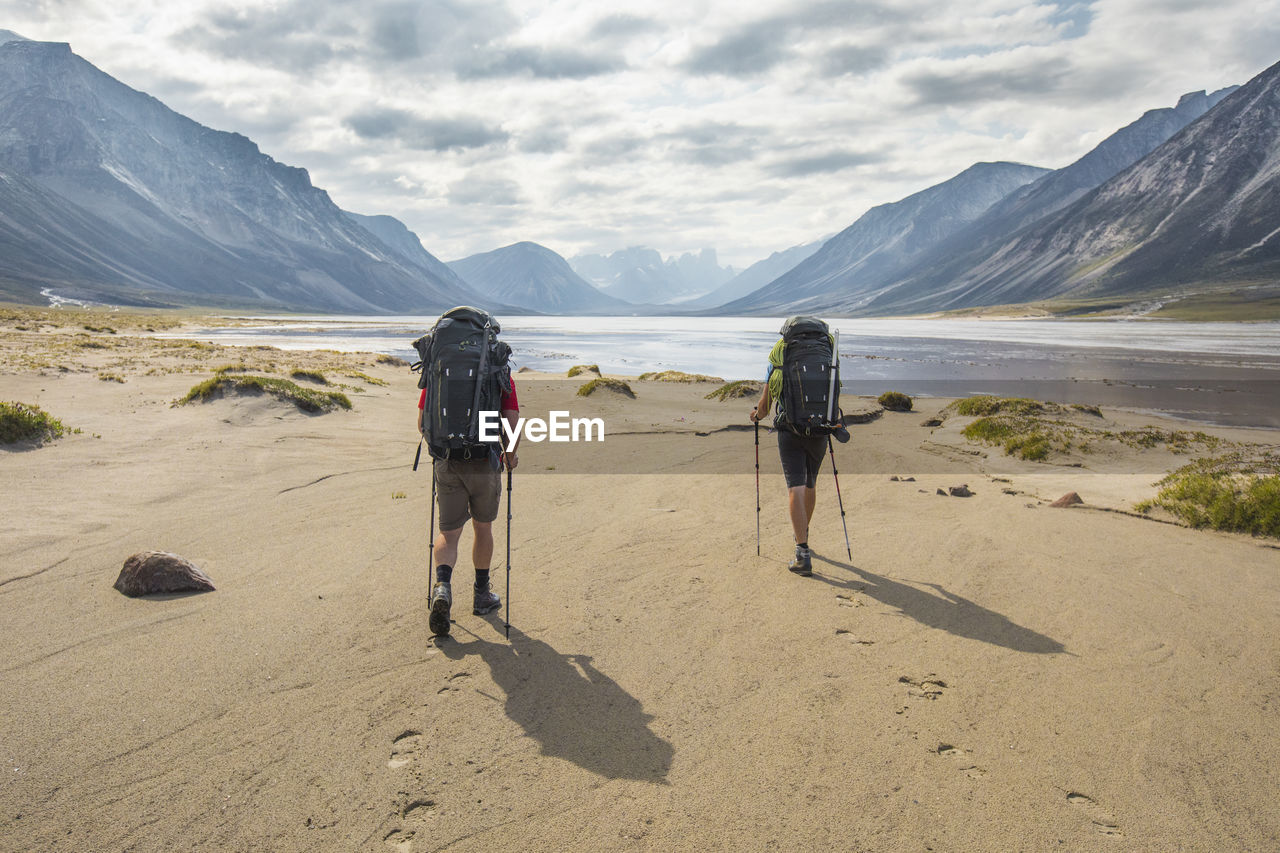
(961, 491)
(931, 422)
(942, 492)
(150, 572)
(1069, 499)
(893, 479)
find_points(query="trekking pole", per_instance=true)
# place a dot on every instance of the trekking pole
(757, 488)
(508, 625)
(431, 530)
(836, 474)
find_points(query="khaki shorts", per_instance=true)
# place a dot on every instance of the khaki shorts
(470, 489)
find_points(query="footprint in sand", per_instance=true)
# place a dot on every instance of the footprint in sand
(453, 680)
(847, 600)
(404, 748)
(857, 641)
(1103, 822)
(929, 687)
(414, 818)
(961, 758)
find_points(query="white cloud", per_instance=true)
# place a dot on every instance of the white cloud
(674, 125)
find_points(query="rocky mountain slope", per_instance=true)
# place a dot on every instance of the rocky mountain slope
(873, 250)
(111, 196)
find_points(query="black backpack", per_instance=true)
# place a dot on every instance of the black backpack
(810, 402)
(465, 372)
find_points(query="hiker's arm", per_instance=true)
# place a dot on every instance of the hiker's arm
(761, 411)
(511, 416)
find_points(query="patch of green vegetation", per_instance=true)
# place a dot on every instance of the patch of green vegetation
(305, 399)
(398, 496)
(608, 384)
(111, 377)
(104, 329)
(895, 401)
(985, 404)
(1179, 441)
(677, 376)
(310, 376)
(239, 367)
(736, 390)
(1236, 493)
(1033, 447)
(23, 422)
(579, 369)
(1033, 430)
(364, 377)
(395, 361)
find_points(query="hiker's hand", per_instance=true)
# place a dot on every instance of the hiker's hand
(510, 460)
(755, 416)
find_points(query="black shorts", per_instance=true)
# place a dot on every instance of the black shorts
(801, 457)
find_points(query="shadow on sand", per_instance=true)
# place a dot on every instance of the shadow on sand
(945, 611)
(573, 710)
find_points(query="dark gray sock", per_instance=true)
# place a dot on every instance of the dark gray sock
(482, 578)
(444, 574)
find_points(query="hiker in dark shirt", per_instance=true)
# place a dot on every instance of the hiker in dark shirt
(801, 454)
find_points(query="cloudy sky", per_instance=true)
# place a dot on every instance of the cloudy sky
(675, 124)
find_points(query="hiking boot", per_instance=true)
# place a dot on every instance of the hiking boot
(801, 563)
(484, 601)
(441, 601)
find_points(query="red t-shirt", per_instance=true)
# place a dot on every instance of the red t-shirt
(510, 403)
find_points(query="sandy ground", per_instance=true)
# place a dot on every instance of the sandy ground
(984, 674)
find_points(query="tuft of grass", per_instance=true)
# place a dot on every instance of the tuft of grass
(111, 377)
(579, 369)
(1232, 493)
(607, 383)
(895, 401)
(364, 377)
(736, 390)
(1033, 447)
(398, 496)
(677, 376)
(104, 329)
(305, 399)
(394, 361)
(310, 376)
(985, 404)
(1032, 430)
(991, 430)
(239, 367)
(23, 422)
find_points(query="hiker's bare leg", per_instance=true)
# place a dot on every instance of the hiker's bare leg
(447, 547)
(800, 503)
(482, 548)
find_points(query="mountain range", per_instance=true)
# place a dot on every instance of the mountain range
(641, 276)
(108, 195)
(1182, 200)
